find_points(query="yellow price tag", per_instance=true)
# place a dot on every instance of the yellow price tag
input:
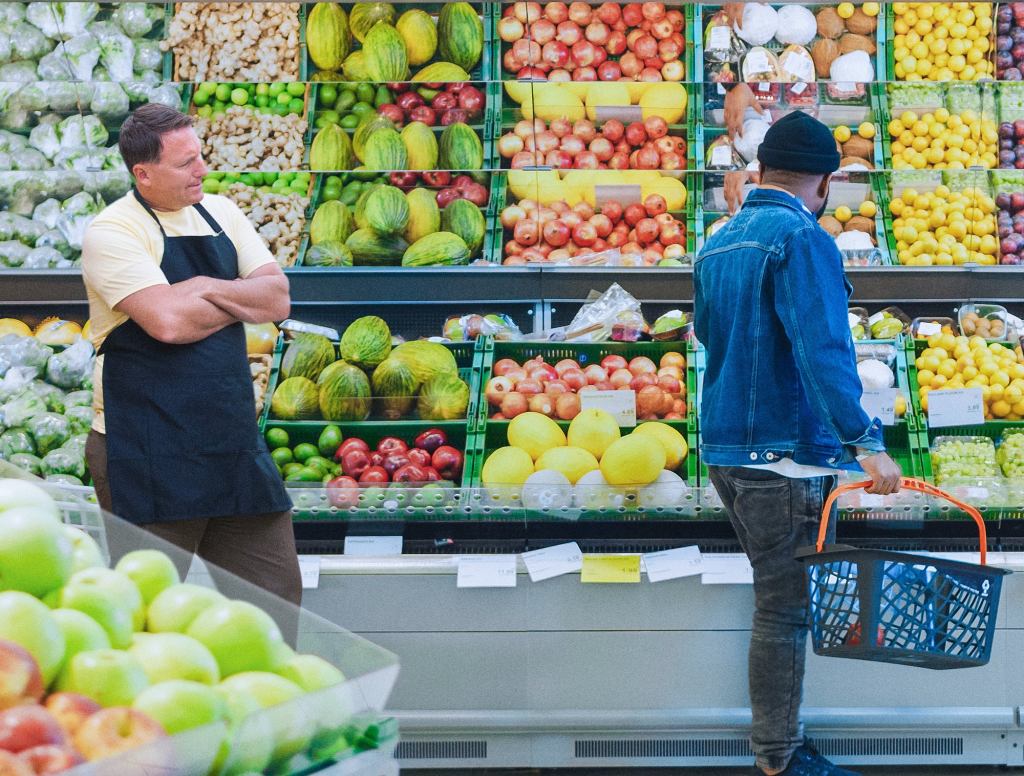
(610, 568)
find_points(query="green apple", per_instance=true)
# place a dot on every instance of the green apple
(173, 610)
(28, 622)
(104, 607)
(151, 571)
(291, 729)
(311, 672)
(329, 714)
(241, 636)
(15, 494)
(250, 741)
(180, 705)
(166, 656)
(86, 553)
(118, 584)
(81, 632)
(35, 554)
(111, 677)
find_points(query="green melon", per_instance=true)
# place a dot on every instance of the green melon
(385, 54)
(370, 249)
(332, 221)
(394, 388)
(426, 359)
(384, 150)
(327, 36)
(420, 35)
(344, 393)
(363, 16)
(460, 35)
(366, 342)
(373, 123)
(424, 215)
(306, 356)
(296, 398)
(386, 210)
(460, 148)
(444, 397)
(465, 219)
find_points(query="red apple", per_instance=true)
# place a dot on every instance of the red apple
(355, 462)
(395, 461)
(613, 210)
(514, 403)
(348, 446)
(374, 475)
(20, 678)
(634, 214)
(388, 445)
(433, 438)
(419, 456)
(23, 727)
(642, 365)
(111, 731)
(342, 492)
(51, 758)
(70, 709)
(411, 472)
(448, 462)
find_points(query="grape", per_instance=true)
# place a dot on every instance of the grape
(1010, 456)
(970, 457)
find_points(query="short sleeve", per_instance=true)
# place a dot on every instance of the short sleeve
(116, 264)
(253, 252)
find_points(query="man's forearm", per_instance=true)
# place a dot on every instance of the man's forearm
(253, 300)
(193, 317)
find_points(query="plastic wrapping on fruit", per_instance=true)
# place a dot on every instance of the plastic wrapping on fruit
(667, 492)
(547, 489)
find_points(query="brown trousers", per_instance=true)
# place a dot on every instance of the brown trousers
(259, 549)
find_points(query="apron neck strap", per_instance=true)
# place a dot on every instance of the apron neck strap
(198, 206)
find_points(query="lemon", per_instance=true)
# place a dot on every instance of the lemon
(573, 462)
(843, 214)
(866, 130)
(593, 430)
(674, 442)
(870, 9)
(867, 209)
(845, 10)
(535, 433)
(636, 459)
(507, 466)
(14, 326)
(842, 134)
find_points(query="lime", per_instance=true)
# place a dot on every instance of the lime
(279, 184)
(239, 96)
(232, 177)
(262, 100)
(304, 451)
(211, 186)
(200, 99)
(334, 180)
(215, 175)
(296, 106)
(363, 108)
(279, 110)
(323, 120)
(223, 92)
(330, 193)
(270, 177)
(291, 468)
(207, 87)
(351, 121)
(277, 437)
(251, 180)
(296, 88)
(206, 111)
(282, 456)
(262, 89)
(330, 440)
(284, 98)
(364, 92)
(275, 89)
(328, 94)
(319, 462)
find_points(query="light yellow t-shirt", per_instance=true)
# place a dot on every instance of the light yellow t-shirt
(122, 251)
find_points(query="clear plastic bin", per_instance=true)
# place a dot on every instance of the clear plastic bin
(983, 320)
(963, 458)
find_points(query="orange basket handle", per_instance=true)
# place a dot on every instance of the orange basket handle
(906, 483)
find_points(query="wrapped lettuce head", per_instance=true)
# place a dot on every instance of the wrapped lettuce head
(136, 19)
(16, 380)
(117, 52)
(61, 21)
(64, 479)
(51, 394)
(54, 239)
(5, 47)
(81, 159)
(13, 253)
(30, 97)
(83, 54)
(148, 55)
(63, 461)
(77, 131)
(9, 14)
(45, 258)
(72, 367)
(109, 102)
(19, 410)
(47, 213)
(168, 95)
(28, 42)
(78, 399)
(8, 90)
(27, 352)
(55, 66)
(78, 212)
(80, 419)
(61, 96)
(20, 71)
(30, 158)
(28, 462)
(109, 184)
(14, 441)
(44, 139)
(77, 442)
(49, 430)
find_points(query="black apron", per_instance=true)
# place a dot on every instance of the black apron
(182, 438)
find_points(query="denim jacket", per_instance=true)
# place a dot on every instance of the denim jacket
(771, 310)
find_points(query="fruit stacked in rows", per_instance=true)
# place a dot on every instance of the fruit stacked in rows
(551, 469)
(580, 42)
(966, 457)
(1010, 223)
(265, 182)
(944, 228)
(1011, 144)
(1010, 42)
(213, 99)
(1010, 455)
(557, 233)
(940, 140)
(961, 362)
(554, 391)
(95, 661)
(638, 145)
(942, 41)
(857, 146)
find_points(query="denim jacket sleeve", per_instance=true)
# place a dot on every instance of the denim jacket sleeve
(811, 301)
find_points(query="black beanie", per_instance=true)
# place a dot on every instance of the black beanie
(799, 143)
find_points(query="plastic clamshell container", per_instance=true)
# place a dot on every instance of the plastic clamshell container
(980, 452)
(858, 316)
(990, 312)
(320, 726)
(863, 258)
(941, 321)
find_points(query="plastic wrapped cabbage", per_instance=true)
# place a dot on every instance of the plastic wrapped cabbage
(82, 159)
(45, 258)
(64, 462)
(19, 410)
(137, 91)
(168, 95)
(49, 430)
(28, 43)
(47, 213)
(80, 419)
(14, 441)
(17, 227)
(61, 21)
(78, 399)
(30, 463)
(77, 442)
(148, 55)
(78, 212)
(18, 72)
(30, 97)
(54, 239)
(64, 479)
(51, 394)
(109, 101)
(136, 19)
(72, 367)
(10, 13)
(112, 160)
(29, 158)
(77, 131)
(55, 66)
(110, 184)
(13, 253)
(27, 352)
(16, 380)
(8, 90)
(117, 51)
(44, 139)
(83, 54)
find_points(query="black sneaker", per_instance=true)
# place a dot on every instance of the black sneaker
(807, 762)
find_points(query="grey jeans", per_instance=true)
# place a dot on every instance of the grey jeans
(773, 516)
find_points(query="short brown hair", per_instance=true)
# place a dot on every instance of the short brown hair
(140, 138)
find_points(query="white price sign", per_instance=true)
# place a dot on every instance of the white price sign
(553, 561)
(928, 328)
(880, 404)
(309, 570)
(955, 407)
(673, 564)
(373, 546)
(487, 571)
(620, 404)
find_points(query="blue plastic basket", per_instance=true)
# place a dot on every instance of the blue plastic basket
(916, 610)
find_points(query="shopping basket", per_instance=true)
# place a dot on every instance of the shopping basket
(896, 607)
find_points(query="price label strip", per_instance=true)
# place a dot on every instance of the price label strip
(880, 404)
(487, 571)
(673, 564)
(955, 407)
(553, 561)
(373, 546)
(620, 404)
(309, 570)
(610, 569)
(727, 569)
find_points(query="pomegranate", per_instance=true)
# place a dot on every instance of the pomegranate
(526, 232)
(656, 127)
(556, 233)
(655, 204)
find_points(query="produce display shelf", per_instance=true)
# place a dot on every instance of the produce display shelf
(889, 48)
(481, 72)
(171, 69)
(393, 500)
(467, 358)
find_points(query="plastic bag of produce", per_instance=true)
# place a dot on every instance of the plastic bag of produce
(51, 394)
(117, 52)
(78, 212)
(77, 443)
(28, 159)
(168, 95)
(25, 352)
(7, 90)
(11, 13)
(72, 367)
(18, 72)
(28, 43)
(5, 47)
(14, 119)
(148, 55)
(61, 21)
(83, 54)
(81, 159)
(64, 461)
(49, 430)
(110, 184)
(61, 96)
(16, 380)
(64, 479)
(14, 441)
(13, 253)
(54, 239)
(30, 463)
(80, 419)
(44, 139)
(45, 258)
(720, 42)
(78, 399)
(30, 97)
(109, 102)
(47, 213)
(55, 66)
(137, 91)
(136, 19)
(17, 411)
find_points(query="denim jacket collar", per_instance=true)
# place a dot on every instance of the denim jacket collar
(760, 196)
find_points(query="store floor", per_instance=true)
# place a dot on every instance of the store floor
(930, 770)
